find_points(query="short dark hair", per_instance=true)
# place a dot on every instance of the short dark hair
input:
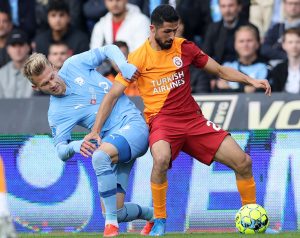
(57, 43)
(4, 11)
(239, 2)
(164, 13)
(121, 44)
(294, 30)
(59, 6)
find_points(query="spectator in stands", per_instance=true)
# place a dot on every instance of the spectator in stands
(60, 30)
(22, 14)
(58, 53)
(196, 16)
(286, 75)
(246, 43)
(5, 29)
(92, 11)
(271, 47)
(77, 19)
(261, 15)
(216, 13)
(123, 22)
(12, 82)
(219, 38)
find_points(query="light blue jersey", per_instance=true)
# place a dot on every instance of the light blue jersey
(84, 93)
(257, 70)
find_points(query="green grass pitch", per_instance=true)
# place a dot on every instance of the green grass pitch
(168, 235)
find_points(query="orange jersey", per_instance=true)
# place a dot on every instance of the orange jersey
(164, 83)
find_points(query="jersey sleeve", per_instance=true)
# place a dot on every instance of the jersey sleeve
(93, 58)
(132, 60)
(199, 57)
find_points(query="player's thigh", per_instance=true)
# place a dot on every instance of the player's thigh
(230, 153)
(136, 133)
(203, 139)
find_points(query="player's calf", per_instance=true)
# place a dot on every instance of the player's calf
(243, 168)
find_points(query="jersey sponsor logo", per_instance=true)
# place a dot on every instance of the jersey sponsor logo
(217, 108)
(177, 61)
(79, 81)
(168, 83)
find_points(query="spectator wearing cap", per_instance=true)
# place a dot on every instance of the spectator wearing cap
(12, 82)
(5, 29)
(60, 30)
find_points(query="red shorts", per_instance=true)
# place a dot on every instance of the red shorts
(190, 133)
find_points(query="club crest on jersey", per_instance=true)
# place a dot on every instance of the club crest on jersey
(79, 81)
(177, 61)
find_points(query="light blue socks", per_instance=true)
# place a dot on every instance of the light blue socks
(107, 185)
(132, 211)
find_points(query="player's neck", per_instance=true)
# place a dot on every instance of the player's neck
(294, 62)
(248, 59)
(154, 44)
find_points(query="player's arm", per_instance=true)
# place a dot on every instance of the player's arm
(113, 53)
(67, 150)
(93, 58)
(233, 75)
(104, 110)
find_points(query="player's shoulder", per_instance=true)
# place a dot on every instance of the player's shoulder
(182, 42)
(138, 55)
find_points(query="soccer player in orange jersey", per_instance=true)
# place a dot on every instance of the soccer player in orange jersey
(175, 120)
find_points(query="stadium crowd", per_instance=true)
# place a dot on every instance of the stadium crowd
(258, 38)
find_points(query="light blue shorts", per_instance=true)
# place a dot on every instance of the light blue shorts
(135, 131)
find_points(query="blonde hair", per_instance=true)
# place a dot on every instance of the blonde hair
(35, 66)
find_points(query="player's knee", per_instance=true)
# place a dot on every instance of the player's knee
(101, 162)
(161, 162)
(245, 166)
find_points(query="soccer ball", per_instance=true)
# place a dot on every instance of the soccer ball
(251, 219)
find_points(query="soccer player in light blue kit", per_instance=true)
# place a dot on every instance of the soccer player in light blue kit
(77, 90)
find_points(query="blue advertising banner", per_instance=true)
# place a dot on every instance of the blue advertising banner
(47, 195)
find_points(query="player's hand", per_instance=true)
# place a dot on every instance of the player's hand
(262, 83)
(93, 136)
(87, 148)
(135, 76)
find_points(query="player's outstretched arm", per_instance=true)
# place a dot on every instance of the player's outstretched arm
(104, 111)
(233, 75)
